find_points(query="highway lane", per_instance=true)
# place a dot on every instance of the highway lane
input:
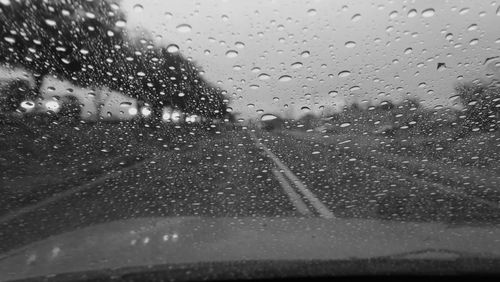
(353, 183)
(248, 174)
(219, 176)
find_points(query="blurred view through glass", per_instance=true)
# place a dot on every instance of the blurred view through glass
(316, 113)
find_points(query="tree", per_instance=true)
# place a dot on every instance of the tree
(481, 106)
(12, 95)
(84, 41)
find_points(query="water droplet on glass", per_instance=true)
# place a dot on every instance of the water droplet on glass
(345, 124)
(305, 109)
(138, 8)
(239, 45)
(267, 117)
(356, 18)
(473, 41)
(305, 54)
(264, 76)
(50, 22)
(393, 14)
(183, 28)
(121, 23)
(463, 11)
(311, 12)
(231, 54)
(427, 13)
(472, 27)
(412, 13)
(254, 86)
(296, 65)
(172, 48)
(344, 73)
(285, 78)
(350, 44)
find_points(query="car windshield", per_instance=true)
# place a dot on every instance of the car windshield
(145, 133)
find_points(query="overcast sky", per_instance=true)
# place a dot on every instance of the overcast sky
(330, 51)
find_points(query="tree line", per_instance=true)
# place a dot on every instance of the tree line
(86, 42)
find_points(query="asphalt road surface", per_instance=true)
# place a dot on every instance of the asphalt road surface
(265, 174)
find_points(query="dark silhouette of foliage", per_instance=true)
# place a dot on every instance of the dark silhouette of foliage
(86, 43)
(12, 95)
(481, 106)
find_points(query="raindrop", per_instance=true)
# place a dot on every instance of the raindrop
(138, 8)
(344, 73)
(285, 78)
(345, 124)
(408, 51)
(350, 44)
(473, 41)
(84, 51)
(276, 99)
(10, 40)
(354, 88)
(333, 93)
(125, 104)
(311, 12)
(254, 86)
(472, 27)
(427, 13)
(183, 28)
(412, 13)
(296, 65)
(305, 54)
(255, 69)
(120, 23)
(463, 11)
(231, 54)
(141, 74)
(305, 109)
(393, 14)
(50, 22)
(356, 18)
(239, 45)
(264, 76)
(172, 48)
(267, 117)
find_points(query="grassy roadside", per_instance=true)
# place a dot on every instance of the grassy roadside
(39, 159)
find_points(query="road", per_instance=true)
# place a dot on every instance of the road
(264, 174)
